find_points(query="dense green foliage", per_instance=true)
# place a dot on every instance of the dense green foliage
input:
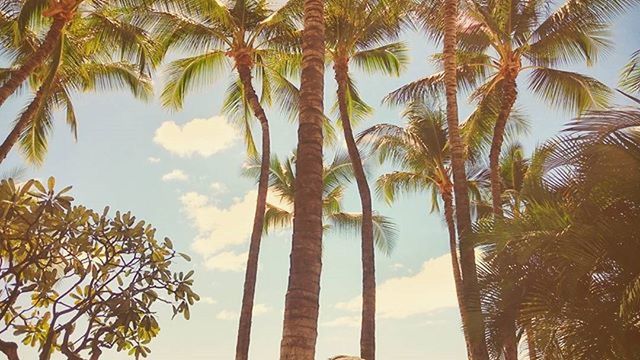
(78, 281)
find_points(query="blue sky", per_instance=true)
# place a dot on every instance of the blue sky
(181, 172)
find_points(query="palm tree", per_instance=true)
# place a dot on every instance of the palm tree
(61, 12)
(501, 40)
(630, 79)
(564, 253)
(422, 152)
(474, 325)
(249, 33)
(83, 60)
(300, 327)
(361, 32)
(335, 177)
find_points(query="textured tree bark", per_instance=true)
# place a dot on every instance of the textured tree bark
(9, 349)
(509, 95)
(244, 327)
(475, 321)
(447, 198)
(18, 76)
(25, 118)
(368, 327)
(300, 326)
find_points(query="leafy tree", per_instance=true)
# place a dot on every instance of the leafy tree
(561, 262)
(501, 40)
(78, 281)
(82, 60)
(300, 326)
(364, 33)
(630, 79)
(252, 36)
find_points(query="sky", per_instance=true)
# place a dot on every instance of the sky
(181, 171)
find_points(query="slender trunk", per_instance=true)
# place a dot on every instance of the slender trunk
(531, 343)
(475, 322)
(510, 345)
(244, 327)
(447, 198)
(368, 326)
(18, 76)
(509, 95)
(300, 326)
(25, 119)
(9, 349)
(48, 345)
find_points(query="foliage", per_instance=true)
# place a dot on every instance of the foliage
(336, 176)
(78, 281)
(562, 263)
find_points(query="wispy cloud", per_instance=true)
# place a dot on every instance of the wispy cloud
(153, 159)
(258, 309)
(227, 261)
(204, 137)
(175, 175)
(429, 290)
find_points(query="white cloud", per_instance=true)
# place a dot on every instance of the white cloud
(344, 321)
(220, 227)
(258, 309)
(153, 160)
(226, 315)
(204, 137)
(430, 289)
(175, 175)
(227, 261)
(208, 300)
(218, 188)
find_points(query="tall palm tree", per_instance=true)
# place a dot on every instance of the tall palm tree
(336, 176)
(83, 60)
(248, 33)
(60, 12)
(477, 348)
(300, 326)
(501, 40)
(422, 152)
(362, 33)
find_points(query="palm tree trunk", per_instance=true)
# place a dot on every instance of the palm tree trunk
(509, 95)
(244, 327)
(368, 326)
(447, 198)
(475, 320)
(18, 76)
(25, 119)
(300, 327)
(9, 349)
(531, 343)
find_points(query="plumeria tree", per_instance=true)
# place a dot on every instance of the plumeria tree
(79, 281)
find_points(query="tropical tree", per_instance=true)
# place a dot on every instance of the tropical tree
(364, 33)
(81, 282)
(83, 60)
(499, 41)
(571, 241)
(474, 325)
(336, 176)
(630, 79)
(246, 36)
(422, 152)
(300, 327)
(60, 12)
